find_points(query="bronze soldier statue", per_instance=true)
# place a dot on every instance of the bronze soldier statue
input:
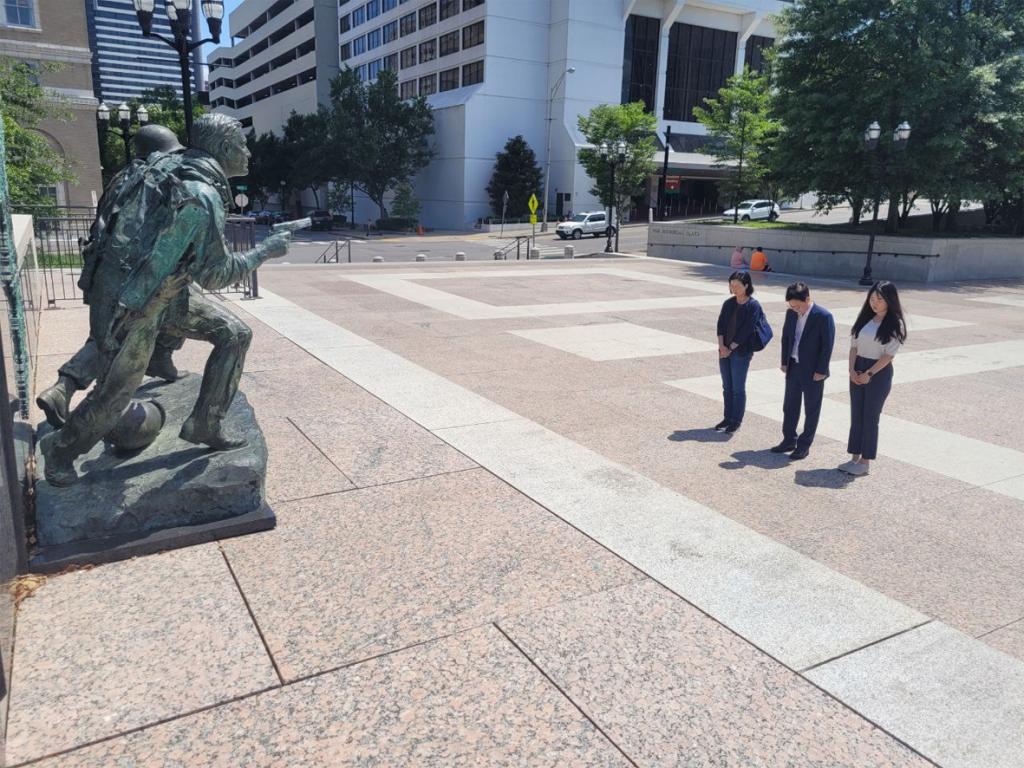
(80, 371)
(167, 230)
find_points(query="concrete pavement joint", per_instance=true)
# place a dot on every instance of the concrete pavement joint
(252, 615)
(880, 640)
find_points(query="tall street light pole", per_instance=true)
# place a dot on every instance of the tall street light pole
(124, 118)
(179, 13)
(547, 161)
(615, 155)
(872, 133)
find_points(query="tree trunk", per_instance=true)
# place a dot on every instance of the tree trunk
(954, 209)
(938, 211)
(892, 220)
(856, 210)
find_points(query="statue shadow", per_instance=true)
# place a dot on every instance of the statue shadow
(760, 459)
(699, 436)
(823, 478)
(190, 463)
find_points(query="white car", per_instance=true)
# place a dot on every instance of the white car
(752, 210)
(581, 224)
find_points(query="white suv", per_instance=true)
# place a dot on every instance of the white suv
(581, 224)
(752, 210)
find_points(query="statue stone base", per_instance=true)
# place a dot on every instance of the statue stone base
(170, 494)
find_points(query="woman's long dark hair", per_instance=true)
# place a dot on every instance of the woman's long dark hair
(893, 325)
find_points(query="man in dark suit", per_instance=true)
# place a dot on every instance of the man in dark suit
(807, 340)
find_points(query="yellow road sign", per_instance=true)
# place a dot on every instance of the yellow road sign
(533, 218)
(534, 202)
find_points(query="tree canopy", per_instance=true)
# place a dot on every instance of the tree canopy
(611, 123)
(516, 172)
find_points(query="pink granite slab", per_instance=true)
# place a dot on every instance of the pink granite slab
(1008, 639)
(470, 700)
(296, 468)
(672, 687)
(351, 575)
(102, 651)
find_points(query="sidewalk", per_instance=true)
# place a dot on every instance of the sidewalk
(489, 554)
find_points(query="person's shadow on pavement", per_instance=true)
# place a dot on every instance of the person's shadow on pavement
(699, 436)
(823, 478)
(762, 459)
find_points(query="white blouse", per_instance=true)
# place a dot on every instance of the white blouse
(871, 348)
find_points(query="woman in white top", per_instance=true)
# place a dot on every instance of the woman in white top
(879, 332)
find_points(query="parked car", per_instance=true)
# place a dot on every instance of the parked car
(594, 223)
(752, 210)
(264, 217)
(280, 216)
(321, 219)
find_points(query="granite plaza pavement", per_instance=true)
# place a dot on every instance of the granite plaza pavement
(507, 537)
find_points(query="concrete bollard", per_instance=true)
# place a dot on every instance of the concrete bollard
(535, 253)
(570, 252)
(378, 259)
(498, 255)
(460, 256)
(421, 257)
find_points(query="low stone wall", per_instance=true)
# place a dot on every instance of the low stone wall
(815, 253)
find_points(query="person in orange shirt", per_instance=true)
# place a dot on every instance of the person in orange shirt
(759, 262)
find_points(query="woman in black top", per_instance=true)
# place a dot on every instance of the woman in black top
(736, 329)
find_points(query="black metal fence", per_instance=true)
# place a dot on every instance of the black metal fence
(61, 233)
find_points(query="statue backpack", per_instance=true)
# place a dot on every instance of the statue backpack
(152, 222)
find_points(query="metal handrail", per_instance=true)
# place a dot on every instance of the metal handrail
(894, 254)
(335, 247)
(517, 244)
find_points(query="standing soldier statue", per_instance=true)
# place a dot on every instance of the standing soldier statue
(164, 229)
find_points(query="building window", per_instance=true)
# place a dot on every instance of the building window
(358, 16)
(754, 56)
(450, 79)
(700, 60)
(467, 4)
(374, 68)
(640, 60)
(449, 43)
(428, 15)
(361, 73)
(389, 4)
(390, 31)
(344, 24)
(391, 62)
(449, 8)
(20, 13)
(407, 24)
(407, 90)
(473, 35)
(428, 85)
(359, 45)
(346, 52)
(409, 57)
(473, 73)
(372, 9)
(428, 51)
(373, 39)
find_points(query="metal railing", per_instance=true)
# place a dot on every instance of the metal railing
(518, 245)
(731, 248)
(332, 253)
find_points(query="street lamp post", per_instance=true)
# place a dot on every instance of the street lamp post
(124, 119)
(179, 12)
(614, 155)
(900, 137)
(547, 161)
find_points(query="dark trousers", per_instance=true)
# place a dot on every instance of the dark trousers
(866, 403)
(734, 385)
(799, 391)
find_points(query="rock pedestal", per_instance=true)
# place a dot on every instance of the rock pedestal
(170, 494)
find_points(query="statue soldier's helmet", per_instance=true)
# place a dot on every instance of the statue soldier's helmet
(155, 138)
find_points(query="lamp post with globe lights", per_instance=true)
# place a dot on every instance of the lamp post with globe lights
(900, 137)
(124, 119)
(547, 161)
(179, 13)
(614, 155)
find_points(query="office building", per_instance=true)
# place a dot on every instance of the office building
(126, 64)
(54, 32)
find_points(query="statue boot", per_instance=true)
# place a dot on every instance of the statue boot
(195, 431)
(55, 401)
(161, 366)
(60, 471)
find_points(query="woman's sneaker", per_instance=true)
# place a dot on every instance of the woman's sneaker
(857, 469)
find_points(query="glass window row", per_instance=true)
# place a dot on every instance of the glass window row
(452, 42)
(427, 16)
(445, 80)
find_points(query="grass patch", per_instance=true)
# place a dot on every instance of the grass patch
(60, 260)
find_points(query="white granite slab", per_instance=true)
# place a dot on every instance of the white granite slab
(615, 341)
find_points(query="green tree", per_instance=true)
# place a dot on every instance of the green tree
(516, 172)
(744, 132)
(611, 123)
(32, 163)
(305, 137)
(405, 205)
(268, 166)
(376, 140)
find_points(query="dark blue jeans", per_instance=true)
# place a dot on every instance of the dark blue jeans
(734, 384)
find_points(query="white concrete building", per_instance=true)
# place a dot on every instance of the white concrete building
(491, 69)
(282, 58)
